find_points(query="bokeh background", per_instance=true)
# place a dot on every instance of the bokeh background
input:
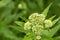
(10, 12)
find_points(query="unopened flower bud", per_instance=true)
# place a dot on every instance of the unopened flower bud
(38, 37)
(27, 25)
(33, 16)
(37, 28)
(42, 17)
(20, 6)
(48, 23)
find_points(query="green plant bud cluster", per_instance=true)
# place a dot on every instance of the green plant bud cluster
(36, 18)
(37, 23)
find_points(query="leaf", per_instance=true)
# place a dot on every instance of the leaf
(8, 34)
(56, 20)
(6, 11)
(51, 18)
(54, 30)
(21, 24)
(30, 36)
(51, 32)
(46, 10)
(23, 18)
(4, 2)
(40, 4)
(43, 37)
(20, 29)
(6, 21)
(57, 38)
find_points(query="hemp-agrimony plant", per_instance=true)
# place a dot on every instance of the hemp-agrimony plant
(37, 24)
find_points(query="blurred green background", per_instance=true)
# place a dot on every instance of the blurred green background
(10, 12)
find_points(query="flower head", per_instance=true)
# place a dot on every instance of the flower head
(27, 25)
(36, 18)
(33, 16)
(37, 28)
(48, 23)
(42, 17)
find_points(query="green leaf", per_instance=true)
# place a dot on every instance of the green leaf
(20, 29)
(21, 24)
(46, 38)
(46, 10)
(51, 32)
(54, 30)
(8, 19)
(40, 4)
(51, 18)
(23, 18)
(8, 34)
(6, 11)
(4, 2)
(56, 20)
(30, 36)
(57, 38)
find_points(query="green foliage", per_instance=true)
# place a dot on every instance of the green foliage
(12, 19)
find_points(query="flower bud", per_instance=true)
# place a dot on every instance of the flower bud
(22, 5)
(33, 16)
(38, 37)
(27, 25)
(37, 28)
(37, 18)
(48, 23)
(42, 17)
